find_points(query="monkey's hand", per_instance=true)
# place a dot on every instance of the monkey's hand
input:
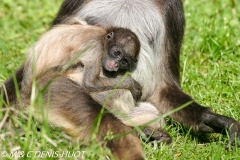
(234, 135)
(217, 123)
(136, 90)
(157, 135)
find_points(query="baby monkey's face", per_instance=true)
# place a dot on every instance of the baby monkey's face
(121, 49)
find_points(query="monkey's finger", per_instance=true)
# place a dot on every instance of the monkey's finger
(234, 136)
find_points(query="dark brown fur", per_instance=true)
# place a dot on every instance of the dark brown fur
(11, 88)
(167, 93)
(69, 104)
(71, 88)
(119, 55)
(162, 42)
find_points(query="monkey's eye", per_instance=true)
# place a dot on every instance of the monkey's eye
(124, 62)
(116, 53)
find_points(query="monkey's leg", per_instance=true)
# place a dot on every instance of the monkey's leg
(143, 114)
(200, 118)
(146, 113)
(10, 95)
(81, 123)
(75, 112)
(122, 105)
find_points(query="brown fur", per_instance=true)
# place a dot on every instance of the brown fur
(71, 88)
(159, 25)
(74, 111)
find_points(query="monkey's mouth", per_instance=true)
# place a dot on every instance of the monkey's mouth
(111, 66)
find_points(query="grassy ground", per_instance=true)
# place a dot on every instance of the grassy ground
(210, 72)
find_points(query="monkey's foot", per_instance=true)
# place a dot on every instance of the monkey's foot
(156, 135)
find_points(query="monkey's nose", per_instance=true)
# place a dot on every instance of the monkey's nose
(116, 64)
(112, 64)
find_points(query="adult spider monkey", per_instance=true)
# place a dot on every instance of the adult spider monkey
(159, 25)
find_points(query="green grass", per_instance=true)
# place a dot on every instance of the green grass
(210, 73)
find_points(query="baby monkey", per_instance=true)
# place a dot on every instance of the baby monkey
(120, 52)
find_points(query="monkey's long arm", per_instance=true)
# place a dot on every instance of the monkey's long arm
(93, 82)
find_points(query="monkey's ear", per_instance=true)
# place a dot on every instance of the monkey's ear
(109, 36)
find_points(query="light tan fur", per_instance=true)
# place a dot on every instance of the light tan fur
(80, 43)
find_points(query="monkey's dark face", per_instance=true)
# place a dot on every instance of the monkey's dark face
(121, 50)
(117, 59)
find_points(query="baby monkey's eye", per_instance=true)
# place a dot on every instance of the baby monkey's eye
(116, 53)
(124, 62)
